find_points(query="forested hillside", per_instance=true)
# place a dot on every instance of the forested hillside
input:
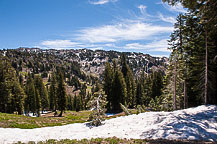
(34, 80)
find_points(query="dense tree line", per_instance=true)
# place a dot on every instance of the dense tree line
(11, 93)
(192, 73)
(33, 96)
(122, 87)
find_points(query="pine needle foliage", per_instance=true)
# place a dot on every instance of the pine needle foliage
(97, 105)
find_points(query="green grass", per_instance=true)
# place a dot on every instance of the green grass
(115, 140)
(24, 126)
(24, 122)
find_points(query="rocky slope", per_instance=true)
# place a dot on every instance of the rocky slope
(88, 61)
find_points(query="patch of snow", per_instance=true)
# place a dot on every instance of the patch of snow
(109, 114)
(31, 114)
(199, 123)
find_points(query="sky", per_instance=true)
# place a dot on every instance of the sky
(121, 25)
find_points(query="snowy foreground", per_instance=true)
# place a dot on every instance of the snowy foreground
(198, 123)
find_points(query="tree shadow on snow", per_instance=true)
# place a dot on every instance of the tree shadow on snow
(188, 126)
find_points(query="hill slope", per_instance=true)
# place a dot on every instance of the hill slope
(91, 62)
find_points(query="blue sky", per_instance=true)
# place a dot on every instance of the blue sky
(122, 25)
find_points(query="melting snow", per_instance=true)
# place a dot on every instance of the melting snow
(199, 123)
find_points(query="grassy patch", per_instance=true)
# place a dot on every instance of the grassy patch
(115, 140)
(24, 122)
(23, 126)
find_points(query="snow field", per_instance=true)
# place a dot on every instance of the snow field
(199, 123)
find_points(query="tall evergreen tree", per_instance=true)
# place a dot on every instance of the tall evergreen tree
(147, 86)
(176, 73)
(107, 85)
(39, 85)
(83, 96)
(18, 96)
(139, 93)
(38, 102)
(157, 84)
(61, 94)
(53, 93)
(76, 103)
(69, 102)
(30, 101)
(119, 91)
(129, 80)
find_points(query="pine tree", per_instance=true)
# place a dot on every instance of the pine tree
(176, 43)
(38, 102)
(82, 96)
(97, 104)
(30, 101)
(119, 91)
(69, 102)
(18, 96)
(147, 86)
(61, 94)
(129, 80)
(76, 103)
(157, 84)
(53, 93)
(39, 85)
(176, 69)
(139, 93)
(107, 84)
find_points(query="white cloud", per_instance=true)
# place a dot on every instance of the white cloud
(142, 9)
(101, 2)
(67, 44)
(115, 36)
(176, 8)
(163, 55)
(97, 48)
(160, 46)
(60, 44)
(167, 19)
(122, 32)
(155, 46)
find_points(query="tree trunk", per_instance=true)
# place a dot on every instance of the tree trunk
(38, 112)
(185, 96)
(61, 113)
(174, 93)
(206, 73)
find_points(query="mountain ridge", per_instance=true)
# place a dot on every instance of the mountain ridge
(92, 61)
